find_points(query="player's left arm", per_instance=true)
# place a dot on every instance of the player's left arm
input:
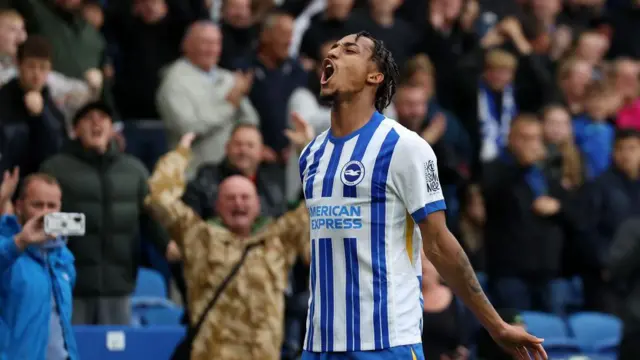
(415, 179)
(446, 254)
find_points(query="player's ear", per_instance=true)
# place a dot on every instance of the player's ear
(375, 78)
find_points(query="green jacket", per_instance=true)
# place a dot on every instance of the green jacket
(109, 189)
(77, 46)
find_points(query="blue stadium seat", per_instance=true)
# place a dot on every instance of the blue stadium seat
(150, 294)
(161, 316)
(156, 342)
(607, 346)
(150, 284)
(590, 329)
(560, 295)
(545, 325)
(136, 318)
(566, 295)
(145, 302)
(577, 292)
(602, 357)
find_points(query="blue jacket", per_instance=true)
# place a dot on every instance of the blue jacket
(595, 140)
(26, 283)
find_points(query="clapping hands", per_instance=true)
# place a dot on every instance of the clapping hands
(34, 102)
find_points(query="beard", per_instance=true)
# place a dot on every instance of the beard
(327, 99)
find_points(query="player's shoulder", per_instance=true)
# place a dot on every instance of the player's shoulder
(314, 144)
(407, 139)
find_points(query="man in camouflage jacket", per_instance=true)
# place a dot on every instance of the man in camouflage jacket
(247, 321)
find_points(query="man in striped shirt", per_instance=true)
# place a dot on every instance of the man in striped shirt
(374, 199)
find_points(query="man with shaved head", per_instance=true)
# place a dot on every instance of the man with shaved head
(251, 254)
(238, 204)
(198, 96)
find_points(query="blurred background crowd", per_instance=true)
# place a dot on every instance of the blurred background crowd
(532, 107)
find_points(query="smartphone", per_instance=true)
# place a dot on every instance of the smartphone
(64, 224)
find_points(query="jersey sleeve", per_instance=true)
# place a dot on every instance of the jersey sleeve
(415, 177)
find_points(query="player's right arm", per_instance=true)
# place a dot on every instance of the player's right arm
(415, 179)
(166, 186)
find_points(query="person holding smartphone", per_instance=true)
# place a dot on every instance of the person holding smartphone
(37, 274)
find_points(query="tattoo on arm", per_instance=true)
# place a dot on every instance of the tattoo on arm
(442, 248)
(470, 276)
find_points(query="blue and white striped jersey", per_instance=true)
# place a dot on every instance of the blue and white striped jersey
(365, 192)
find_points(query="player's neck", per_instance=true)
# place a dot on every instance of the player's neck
(349, 116)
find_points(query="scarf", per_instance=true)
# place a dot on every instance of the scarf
(494, 125)
(533, 175)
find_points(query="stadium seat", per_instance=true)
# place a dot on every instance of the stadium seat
(562, 347)
(136, 319)
(545, 325)
(145, 302)
(566, 295)
(607, 346)
(591, 329)
(161, 316)
(150, 294)
(577, 292)
(127, 343)
(150, 284)
(560, 295)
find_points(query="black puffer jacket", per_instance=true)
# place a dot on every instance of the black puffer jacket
(109, 189)
(26, 140)
(202, 191)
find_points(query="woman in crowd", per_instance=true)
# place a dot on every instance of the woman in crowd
(564, 161)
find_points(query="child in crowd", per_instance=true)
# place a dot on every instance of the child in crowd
(593, 132)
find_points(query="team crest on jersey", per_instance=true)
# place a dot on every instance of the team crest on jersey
(352, 173)
(433, 184)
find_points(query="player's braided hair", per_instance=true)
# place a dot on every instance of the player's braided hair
(387, 65)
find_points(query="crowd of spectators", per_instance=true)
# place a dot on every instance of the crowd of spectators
(531, 106)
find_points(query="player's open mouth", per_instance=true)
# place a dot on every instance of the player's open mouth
(328, 69)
